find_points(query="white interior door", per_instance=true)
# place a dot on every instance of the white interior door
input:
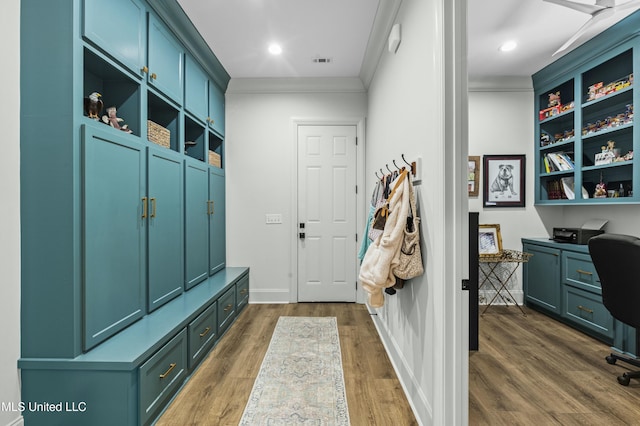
(327, 213)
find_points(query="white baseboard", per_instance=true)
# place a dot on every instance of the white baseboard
(416, 397)
(268, 296)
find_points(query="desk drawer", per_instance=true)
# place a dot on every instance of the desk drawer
(202, 334)
(226, 309)
(242, 293)
(586, 309)
(578, 270)
(161, 376)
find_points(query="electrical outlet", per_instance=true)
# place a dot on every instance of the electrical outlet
(273, 218)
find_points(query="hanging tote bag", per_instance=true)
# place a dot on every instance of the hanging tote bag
(410, 265)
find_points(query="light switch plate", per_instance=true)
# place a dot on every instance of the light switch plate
(273, 218)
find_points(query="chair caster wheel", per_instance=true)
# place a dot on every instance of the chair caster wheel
(624, 380)
(610, 359)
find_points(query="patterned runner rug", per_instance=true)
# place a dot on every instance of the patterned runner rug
(301, 380)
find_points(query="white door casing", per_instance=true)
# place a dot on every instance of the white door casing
(327, 255)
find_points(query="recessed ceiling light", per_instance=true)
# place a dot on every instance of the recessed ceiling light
(508, 46)
(275, 49)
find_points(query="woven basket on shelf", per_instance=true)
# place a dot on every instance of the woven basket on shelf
(214, 159)
(158, 134)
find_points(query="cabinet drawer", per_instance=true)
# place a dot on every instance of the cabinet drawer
(586, 309)
(226, 309)
(202, 334)
(579, 272)
(242, 293)
(161, 376)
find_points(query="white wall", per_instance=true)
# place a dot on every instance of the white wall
(406, 116)
(261, 167)
(10, 210)
(501, 122)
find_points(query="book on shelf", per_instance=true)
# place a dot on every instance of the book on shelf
(558, 161)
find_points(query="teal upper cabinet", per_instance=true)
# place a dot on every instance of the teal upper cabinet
(196, 89)
(216, 108)
(166, 61)
(124, 40)
(114, 233)
(585, 134)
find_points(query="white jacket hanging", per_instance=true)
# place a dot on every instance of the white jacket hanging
(383, 254)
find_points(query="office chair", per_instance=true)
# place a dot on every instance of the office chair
(617, 262)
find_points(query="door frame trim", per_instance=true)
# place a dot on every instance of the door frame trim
(359, 123)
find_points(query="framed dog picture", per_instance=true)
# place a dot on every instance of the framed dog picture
(503, 180)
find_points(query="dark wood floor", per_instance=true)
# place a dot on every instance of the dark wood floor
(219, 389)
(532, 370)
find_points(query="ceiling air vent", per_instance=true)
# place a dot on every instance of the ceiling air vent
(322, 60)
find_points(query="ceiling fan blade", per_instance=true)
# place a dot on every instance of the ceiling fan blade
(628, 5)
(581, 7)
(577, 35)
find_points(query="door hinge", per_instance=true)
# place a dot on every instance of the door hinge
(356, 189)
(356, 140)
(356, 285)
(356, 238)
(465, 284)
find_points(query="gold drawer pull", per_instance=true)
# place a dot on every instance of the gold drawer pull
(229, 306)
(145, 206)
(153, 207)
(243, 291)
(580, 271)
(205, 332)
(166, 373)
(587, 310)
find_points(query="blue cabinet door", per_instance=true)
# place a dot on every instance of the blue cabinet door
(217, 222)
(166, 226)
(166, 61)
(216, 108)
(114, 233)
(119, 29)
(542, 277)
(196, 222)
(196, 86)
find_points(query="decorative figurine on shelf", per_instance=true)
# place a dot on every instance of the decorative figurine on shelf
(114, 121)
(93, 105)
(601, 189)
(554, 99)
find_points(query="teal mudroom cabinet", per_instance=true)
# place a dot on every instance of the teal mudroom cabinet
(561, 281)
(124, 282)
(585, 131)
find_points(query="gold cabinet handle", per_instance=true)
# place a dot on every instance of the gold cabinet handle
(144, 69)
(166, 373)
(580, 271)
(582, 308)
(205, 332)
(229, 306)
(153, 207)
(154, 76)
(212, 121)
(210, 207)
(145, 207)
(243, 291)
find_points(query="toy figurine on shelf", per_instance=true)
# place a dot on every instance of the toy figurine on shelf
(93, 105)
(554, 99)
(114, 121)
(601, 189)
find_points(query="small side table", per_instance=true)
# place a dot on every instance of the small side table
(510, 260)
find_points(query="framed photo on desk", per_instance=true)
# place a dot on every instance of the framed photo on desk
(489, 241)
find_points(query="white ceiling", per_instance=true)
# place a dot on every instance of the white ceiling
(240, 31)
